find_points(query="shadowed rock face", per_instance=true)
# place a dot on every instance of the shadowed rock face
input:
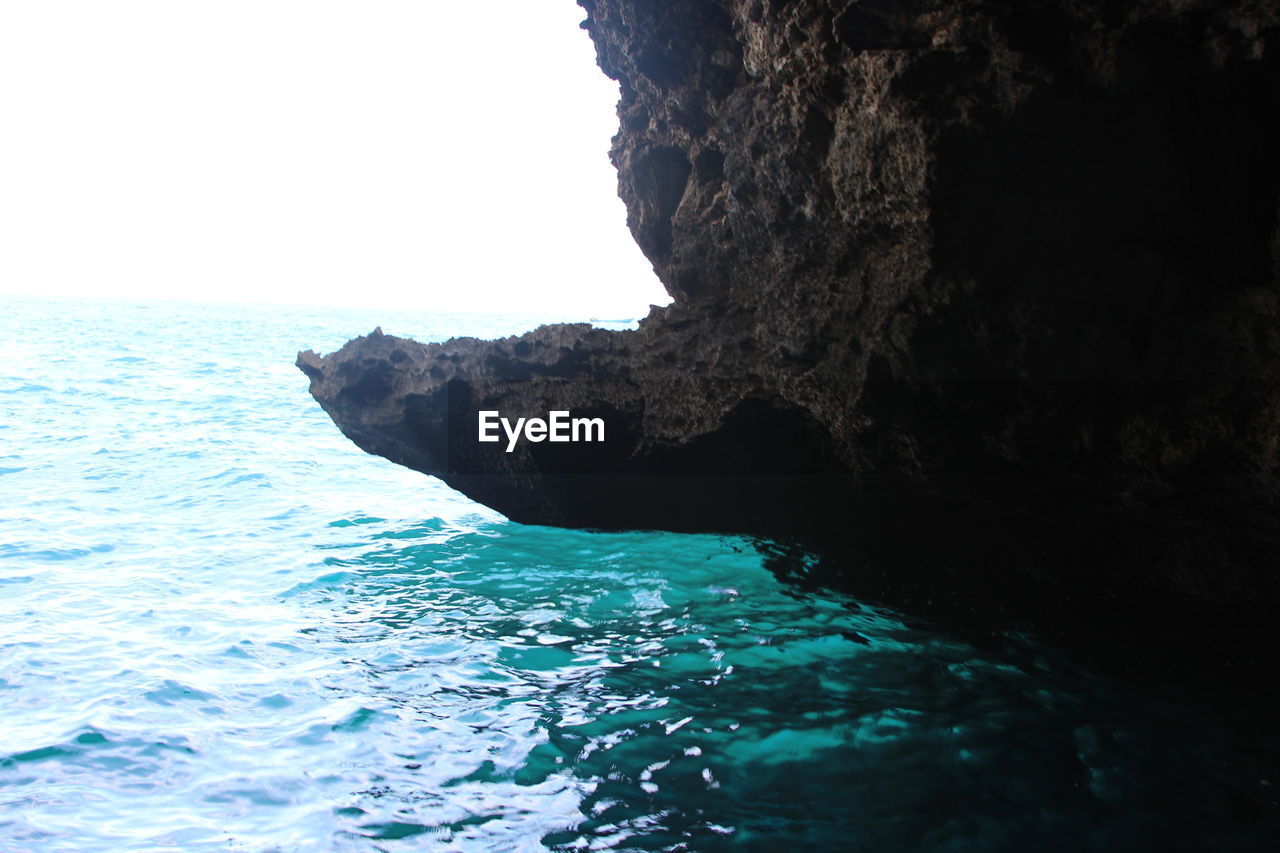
(969, 296)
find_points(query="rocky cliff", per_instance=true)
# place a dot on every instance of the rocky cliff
(969, 296)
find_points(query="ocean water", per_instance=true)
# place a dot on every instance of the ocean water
(226, 628)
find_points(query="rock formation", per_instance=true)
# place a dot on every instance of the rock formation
(969, 296)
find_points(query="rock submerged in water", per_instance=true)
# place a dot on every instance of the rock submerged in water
(970, 298)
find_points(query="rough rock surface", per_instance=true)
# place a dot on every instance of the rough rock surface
(968, 295)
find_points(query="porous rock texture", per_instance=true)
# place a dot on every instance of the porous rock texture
(970, 296)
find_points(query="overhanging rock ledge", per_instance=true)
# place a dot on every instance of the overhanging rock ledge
(988, 287)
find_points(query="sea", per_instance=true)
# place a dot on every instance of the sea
(223, 627)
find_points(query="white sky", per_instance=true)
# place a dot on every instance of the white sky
(411, 153)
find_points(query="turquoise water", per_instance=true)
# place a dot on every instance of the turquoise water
(226, 628)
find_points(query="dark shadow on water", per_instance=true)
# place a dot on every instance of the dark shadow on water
(653, 691)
